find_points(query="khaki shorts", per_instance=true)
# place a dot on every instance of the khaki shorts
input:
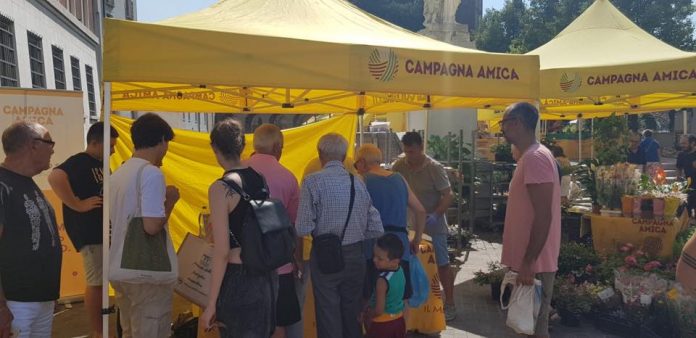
(92, 261)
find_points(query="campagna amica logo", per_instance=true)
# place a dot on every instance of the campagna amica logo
(383, 64)
(569, 85)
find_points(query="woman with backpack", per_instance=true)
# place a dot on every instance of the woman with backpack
(240, 301)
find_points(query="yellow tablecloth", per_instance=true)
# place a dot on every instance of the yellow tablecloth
(653, 236)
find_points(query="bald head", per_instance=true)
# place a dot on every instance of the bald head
(19, 135)
(370, 154)
(268, 139)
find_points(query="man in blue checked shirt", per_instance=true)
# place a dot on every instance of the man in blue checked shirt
(324, 208)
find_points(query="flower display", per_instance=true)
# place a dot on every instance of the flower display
(613, 182)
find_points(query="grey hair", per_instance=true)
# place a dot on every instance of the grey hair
(332, 147)
(19, 134)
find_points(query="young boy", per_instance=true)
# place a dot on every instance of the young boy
(384, 316)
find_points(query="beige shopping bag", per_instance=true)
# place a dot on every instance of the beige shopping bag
(195, 263)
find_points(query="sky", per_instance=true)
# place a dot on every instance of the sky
(156, 10)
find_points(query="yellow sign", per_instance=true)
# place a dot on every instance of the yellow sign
(654, 236)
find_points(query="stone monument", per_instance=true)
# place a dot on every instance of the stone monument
(440, 23)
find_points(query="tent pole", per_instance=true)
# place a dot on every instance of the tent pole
(427, 129)
(592, 137)
(105, 207)
(684, 122)
(579, 139)
(361, 124)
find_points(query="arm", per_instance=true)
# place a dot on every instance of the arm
(446, 198)
(306, 212)
(374, 227)
(6, 316)
(541, 196)
(380, 297)
(58, 179)
(154, 225)
(218, 199)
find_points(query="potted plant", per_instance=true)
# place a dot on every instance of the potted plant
(586, 176)
(572, 300)
(578, 260)
(503, 152)
(494, 278)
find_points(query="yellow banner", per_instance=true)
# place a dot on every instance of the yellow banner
(190, 164)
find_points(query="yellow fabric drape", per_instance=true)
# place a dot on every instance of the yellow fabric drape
(190, 164)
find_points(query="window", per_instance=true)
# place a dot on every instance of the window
(58, 67)
(36, 61)
(75, 65)
(9, 77)
(90, 94)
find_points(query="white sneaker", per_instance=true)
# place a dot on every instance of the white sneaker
(450, 312)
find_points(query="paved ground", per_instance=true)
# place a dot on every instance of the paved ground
(478, 314)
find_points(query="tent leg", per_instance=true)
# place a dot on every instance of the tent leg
(685, 123)
(105, 207)
(580, 139)
(361, 125)
(427, 130)
(592, 137)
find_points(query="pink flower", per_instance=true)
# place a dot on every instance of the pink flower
(630, 260)
(639, 253)
(588, 268)
(652, 265)
(629, 245)
(625, 248)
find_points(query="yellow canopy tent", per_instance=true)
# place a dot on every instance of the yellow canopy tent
(604, 63)
(300, 56)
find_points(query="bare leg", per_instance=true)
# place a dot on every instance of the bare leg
(447, 280)
(93, 306)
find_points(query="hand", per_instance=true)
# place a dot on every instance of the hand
(89, 203)
(207, 319)
(415, 243)
(171, 195)
(526, 275)
(432, 219)
(5, 321)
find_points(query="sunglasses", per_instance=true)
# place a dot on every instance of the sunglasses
(49, 142)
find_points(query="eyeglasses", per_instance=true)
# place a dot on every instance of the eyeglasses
(506, 120)
(49, 142)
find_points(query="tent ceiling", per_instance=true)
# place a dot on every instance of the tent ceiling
(301, 56)
(602, 62)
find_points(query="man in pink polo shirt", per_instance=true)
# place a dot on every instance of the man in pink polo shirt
(532, 235)
(268, 147)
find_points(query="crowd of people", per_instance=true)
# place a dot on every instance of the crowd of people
(367, 208)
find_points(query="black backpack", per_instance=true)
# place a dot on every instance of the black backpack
(268, 237)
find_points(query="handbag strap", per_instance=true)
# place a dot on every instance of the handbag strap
(138, 191)
(246, 197)
(350, 205)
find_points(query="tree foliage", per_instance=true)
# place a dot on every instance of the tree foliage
(521, 26)
(405, 13)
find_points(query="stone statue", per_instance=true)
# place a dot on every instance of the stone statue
(449, 10)
(432, 12)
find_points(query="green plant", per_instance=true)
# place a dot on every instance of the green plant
(495, 274)
(680, 241)
(576, 299)
(574, 258)
(503, 152)
(439, 146)
(610, 136)
(586, 176)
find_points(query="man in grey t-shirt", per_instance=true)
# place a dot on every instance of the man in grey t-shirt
(428, 180)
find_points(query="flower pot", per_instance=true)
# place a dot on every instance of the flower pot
(637, 200)
(658, 207)
(671, 206)
(569, 318)
(646, 208)
(627, 206)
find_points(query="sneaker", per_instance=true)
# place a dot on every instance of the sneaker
(450, 312)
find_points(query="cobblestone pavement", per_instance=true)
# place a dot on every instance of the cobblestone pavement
(479, 316)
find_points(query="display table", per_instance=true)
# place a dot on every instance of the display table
(428, 318)
(654, 236)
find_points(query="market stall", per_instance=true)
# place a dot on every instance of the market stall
(317, 57)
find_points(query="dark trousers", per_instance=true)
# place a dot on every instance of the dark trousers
(337, 298)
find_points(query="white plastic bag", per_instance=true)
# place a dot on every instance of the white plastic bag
(523, 307)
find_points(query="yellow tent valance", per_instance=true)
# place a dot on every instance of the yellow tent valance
(191, 166)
